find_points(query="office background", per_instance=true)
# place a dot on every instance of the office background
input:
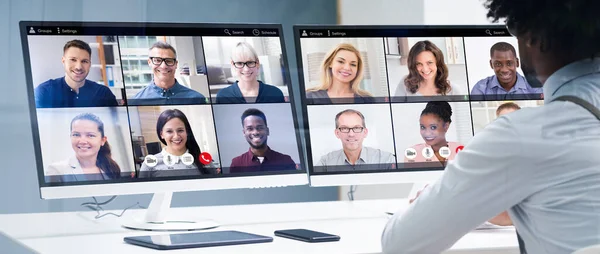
(19, 190)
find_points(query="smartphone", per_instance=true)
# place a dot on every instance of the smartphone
(196, 240)
(307, 235)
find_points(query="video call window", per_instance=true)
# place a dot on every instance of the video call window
(494, 70)
(444, 85)
(155, 102)
(76, 71)
(234, 65)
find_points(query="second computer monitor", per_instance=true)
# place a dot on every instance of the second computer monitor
(390, 104)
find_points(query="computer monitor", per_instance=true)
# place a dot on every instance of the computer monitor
(216, 96)
(396, 104)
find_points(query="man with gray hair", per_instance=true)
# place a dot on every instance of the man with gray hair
(164, 88)
(351, 129)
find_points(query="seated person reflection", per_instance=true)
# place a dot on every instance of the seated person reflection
(507, 83)
(506, 108)
(434, 123)
(260, 157)
(248, 89)
(164, 88)
(351, 129)
(427, 73)
(180, 156)
(341, 74)
(92, 159)
(74, 90)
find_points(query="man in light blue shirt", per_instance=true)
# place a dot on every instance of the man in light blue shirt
(540, 163)
(164, 89)
(507, 84)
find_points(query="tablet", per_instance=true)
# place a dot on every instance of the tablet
(196, 240)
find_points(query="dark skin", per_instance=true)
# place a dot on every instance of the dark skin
(505, 64)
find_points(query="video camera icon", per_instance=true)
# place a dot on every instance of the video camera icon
(151, 161)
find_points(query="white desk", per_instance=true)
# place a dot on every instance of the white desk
(358, 223)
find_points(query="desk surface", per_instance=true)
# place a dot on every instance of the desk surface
(358, 223)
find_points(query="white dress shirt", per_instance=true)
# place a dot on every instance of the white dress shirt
(542, 164)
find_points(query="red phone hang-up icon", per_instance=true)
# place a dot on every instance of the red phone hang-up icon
(205, 158)
(459, 148)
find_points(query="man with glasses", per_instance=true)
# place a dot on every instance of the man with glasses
(74, 90)
(164, 88)
(541, 163)
(350, 128)
(260, 157)
(507, 84)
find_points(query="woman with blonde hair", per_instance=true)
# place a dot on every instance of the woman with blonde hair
(341, 74)
(247, 88)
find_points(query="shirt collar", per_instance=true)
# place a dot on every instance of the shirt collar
(165, 153)
(362, 157)
(567, 74)
(520, 85)
(268, 153)
(173, 89)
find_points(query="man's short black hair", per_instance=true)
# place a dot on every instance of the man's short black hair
(254, 112)
(78, 44)
(565, 27)
(502, 47)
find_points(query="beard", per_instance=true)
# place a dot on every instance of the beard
(261, 146)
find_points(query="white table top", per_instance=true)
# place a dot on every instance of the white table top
(358, 223)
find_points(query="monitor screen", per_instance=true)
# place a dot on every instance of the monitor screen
(389, 99)
(147, 102)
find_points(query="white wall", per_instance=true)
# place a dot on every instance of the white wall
(380, 12)
(457, 12)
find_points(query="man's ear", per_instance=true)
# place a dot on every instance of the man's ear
(491, 65)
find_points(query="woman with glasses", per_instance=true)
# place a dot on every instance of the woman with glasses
(341, 74)
(247, 88)
(434, 123)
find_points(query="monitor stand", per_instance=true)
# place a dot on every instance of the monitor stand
(157, 218)
(417, 186)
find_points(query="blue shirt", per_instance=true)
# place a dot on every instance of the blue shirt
(266, 94)
(540, 163)
(490, 89)
(178, 94)
(55, 93)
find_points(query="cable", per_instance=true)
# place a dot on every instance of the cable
(96, 206)
(351, 192)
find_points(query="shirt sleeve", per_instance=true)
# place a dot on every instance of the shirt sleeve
(487, 177)
(40, 94)
(109, 98)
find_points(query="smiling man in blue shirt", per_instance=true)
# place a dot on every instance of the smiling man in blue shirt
(164, 89)
(541, 164)
(74, 90)
(507, 83)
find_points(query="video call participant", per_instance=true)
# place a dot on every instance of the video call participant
(341, 74)
(74, 90)
(174, 131)
(351, 129)
(260, 157)
(164, 88)
(248, 89)
(506, 108)
(92, 159)
(507, 83)
(427, 73)
(434, 123)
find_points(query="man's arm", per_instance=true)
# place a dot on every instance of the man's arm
(479, 87)
(489, 176)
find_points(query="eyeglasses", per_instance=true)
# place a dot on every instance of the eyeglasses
(160, 60)
(239, 65)
(354, 129)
